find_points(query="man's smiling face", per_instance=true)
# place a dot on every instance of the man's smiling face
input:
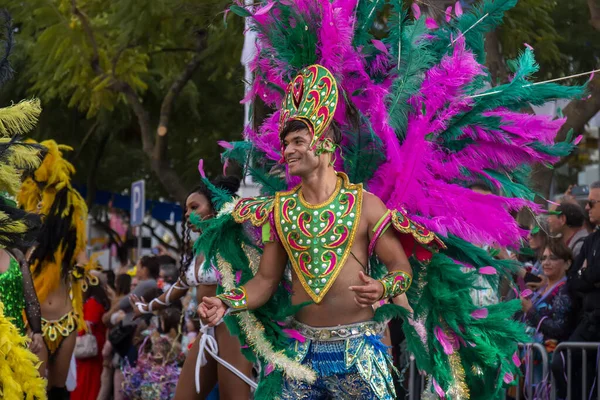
(299, 158)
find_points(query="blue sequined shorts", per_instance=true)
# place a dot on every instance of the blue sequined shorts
(354, 367)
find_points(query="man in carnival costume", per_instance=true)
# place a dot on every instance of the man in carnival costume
(19, 376)
(416, 126)
(60, 269)
(323, 226)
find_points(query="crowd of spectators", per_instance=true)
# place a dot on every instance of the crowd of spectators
(124, 340)
(558, 284)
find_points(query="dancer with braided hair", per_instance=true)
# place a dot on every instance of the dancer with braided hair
(195, 272)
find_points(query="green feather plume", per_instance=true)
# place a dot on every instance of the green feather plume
(413, 53)
(474, 33)
(263, 171)
(293, 44)
(362, 152)
(390, 311)
(366, 13)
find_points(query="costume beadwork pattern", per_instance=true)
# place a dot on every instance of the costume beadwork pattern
(318, 238)
(235, 299)
(253, 209)
(421, 234)
(311, 97)
(395, 283)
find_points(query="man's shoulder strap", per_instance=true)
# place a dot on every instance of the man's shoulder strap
(257, 210)
(410, 232)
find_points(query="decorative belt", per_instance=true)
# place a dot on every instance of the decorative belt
(339, 332)
(64, 326)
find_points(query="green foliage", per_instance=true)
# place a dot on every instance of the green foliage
(530, 21)
(580, 44)
(559, 31)
(147, 45)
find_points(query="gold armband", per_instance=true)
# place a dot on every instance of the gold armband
(395, 283)
(235, 299)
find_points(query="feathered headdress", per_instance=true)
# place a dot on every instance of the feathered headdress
(311, 97)
(416, 103)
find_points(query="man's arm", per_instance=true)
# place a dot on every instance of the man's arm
(269, 275)
(139, 291)
(388, 247)
(256, 292)
(389, 250)
(592, 273)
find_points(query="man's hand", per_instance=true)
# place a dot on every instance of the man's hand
(136, 301)
(36, 344)
(117, 317)
(211, 310)
(369, 292)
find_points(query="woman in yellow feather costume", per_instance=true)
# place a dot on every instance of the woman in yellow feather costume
(19, 376)
(58, 262)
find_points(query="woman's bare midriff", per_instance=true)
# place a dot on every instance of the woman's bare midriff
(57, 304)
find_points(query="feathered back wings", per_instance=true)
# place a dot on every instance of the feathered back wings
(420, 119)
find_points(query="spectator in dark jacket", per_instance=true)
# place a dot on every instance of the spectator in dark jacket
(584, 288)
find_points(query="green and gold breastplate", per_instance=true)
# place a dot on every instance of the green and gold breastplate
(318, 238)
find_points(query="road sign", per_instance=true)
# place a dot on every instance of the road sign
(138, 203)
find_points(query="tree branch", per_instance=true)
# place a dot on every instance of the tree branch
(495, 61)
(85, 23)
(159, 158)
(117, 56)
(594, 13)
(156, 152)
(140, 112)
(87, 137)
(578, 113)
(174, 91)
